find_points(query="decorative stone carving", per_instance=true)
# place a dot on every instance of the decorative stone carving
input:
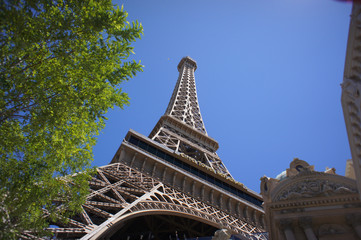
(330, 170)
(300, 200)
(314, 188)
(267, 184)
(222, 234)
(297, 166)
(307, 183)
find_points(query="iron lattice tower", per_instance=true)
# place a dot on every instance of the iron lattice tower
(170, 185)
(181, 128)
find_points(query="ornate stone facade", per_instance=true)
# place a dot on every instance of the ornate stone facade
(351, 88)
(305, 204)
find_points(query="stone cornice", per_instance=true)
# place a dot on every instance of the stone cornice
(344, 199)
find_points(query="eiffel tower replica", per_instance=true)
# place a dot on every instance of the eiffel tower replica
(170, 185)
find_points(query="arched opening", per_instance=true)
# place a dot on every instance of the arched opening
(161, 226)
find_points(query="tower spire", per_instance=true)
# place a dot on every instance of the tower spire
(183, 104)
(181, 128)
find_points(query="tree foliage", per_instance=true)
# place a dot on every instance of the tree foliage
(61, 63)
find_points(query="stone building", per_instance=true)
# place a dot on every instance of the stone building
(304, 204)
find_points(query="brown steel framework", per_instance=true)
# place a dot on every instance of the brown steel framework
(183, 112)
(173, 178)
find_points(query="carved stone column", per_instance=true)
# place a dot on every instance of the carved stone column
(211, 200)
(174, 178)
(286, 228)
(306, 224)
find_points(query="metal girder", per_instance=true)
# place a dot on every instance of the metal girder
(184, 102)
(99, 216)
(184, 107)
(121, 191)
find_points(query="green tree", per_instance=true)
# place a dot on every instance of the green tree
(61, 65)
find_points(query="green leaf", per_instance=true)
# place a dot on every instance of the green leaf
(61, 71)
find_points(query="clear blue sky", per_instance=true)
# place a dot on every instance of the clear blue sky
(268, 79)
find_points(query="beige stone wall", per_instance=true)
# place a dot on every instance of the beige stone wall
(310, 205)
(351, 89)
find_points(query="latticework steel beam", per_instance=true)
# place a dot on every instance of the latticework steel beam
(184, 107)
(184, 102)
(176, 172)
(110, 203)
